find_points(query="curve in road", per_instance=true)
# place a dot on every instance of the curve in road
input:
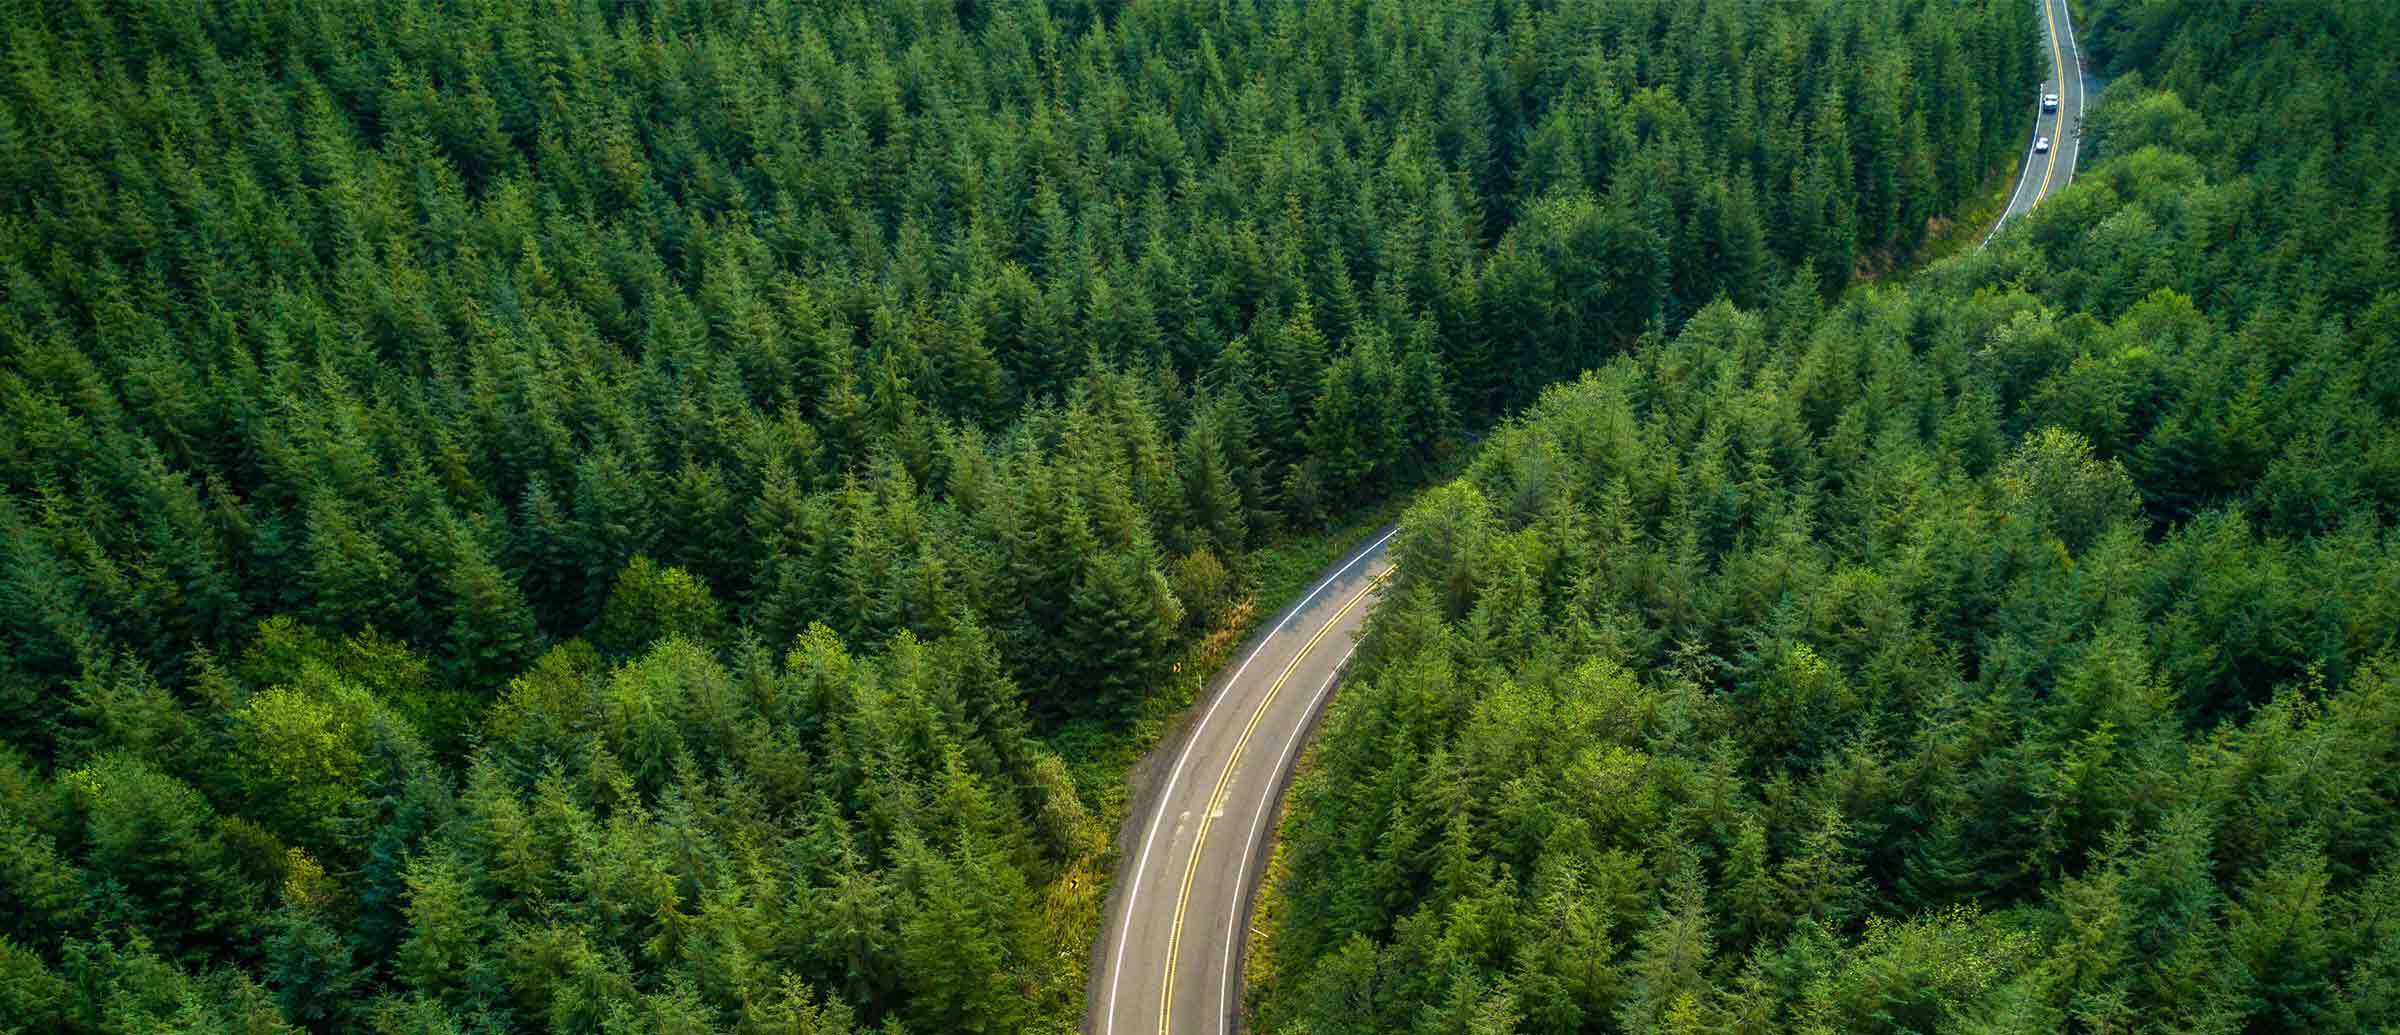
(2055, 168)
(1167, 961)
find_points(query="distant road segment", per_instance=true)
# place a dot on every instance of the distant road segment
(2051, 169)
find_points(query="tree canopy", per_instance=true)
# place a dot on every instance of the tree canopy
(2015, 651)
(584, 516)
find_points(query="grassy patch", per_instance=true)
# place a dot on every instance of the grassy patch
(1967, 228)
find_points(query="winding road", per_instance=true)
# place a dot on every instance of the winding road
(2046, 171)
(1169, 957)
(1179, 912)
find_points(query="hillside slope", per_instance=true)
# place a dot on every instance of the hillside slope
(2013, 652)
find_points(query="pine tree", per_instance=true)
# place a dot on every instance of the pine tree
(491, 634)
(1213, 514)
(1119, 622)
(1355, 432)
(650, 603)
(444, 954)
(309, 968)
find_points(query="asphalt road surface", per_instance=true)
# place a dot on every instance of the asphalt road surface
(1205, 803)
(1204, 810)
(2049, 171)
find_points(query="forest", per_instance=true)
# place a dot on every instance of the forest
(2012, 650)
(590, 516)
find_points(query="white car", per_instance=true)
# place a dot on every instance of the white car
(2041, 145)
(2049, 102)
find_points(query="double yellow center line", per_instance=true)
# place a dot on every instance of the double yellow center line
(1216, 800)
(2058, 66)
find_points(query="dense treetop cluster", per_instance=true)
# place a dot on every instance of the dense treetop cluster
(2018, 651)
(575, 515)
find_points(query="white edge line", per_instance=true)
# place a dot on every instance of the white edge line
(1292, 741)
(1258, 820)
(2066, 13)
(1141, 862)
(2009, 209)
(2024, 179)
(1258, 823)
